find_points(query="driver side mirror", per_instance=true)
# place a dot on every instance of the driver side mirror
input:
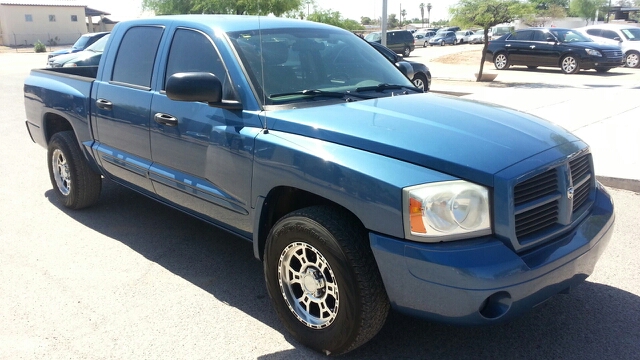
(198, 86)
(406, 69)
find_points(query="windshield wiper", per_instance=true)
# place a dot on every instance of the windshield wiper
(382, 87)
(319, 93)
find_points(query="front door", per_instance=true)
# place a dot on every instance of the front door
(202, 155)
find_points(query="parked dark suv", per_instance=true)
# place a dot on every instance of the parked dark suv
(400, 41)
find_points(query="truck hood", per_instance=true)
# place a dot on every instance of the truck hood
(463, 138)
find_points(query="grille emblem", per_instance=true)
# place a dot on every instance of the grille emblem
(570, 193)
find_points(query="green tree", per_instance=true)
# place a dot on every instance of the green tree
(393, 22)
(485, 14)
(586, 9)
(237, 7)
(334, 18)
(429, 14)
(422, 12)
(365, 20)
(403, 16)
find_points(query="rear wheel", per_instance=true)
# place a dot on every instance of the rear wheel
(632, 59)
(570, 65)
(442, 43)
(406, 52)
(323, 280)
(501, 61)
(74, 183)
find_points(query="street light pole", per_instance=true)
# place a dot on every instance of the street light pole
(383, 39)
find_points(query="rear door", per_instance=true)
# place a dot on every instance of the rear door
(122, 99)
(202, 155)
(519, 48)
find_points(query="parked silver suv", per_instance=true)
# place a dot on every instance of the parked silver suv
(627, 36)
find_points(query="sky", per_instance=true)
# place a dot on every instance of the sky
(350, 9)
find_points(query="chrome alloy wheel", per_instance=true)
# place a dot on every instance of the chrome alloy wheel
(308, 285)
(501, 61)
(631, 60)
(61, 172)
(569, 64)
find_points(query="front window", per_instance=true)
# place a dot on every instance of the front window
(81, 42)
(631, 34)
(569, 36)
(373, 37)
(99, 45)
(304, 62)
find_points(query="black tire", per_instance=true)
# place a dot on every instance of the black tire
(421, 82)
(570, 65)
(632, 59)
(532, 67)
(424, 45)
(75, 184)
(349, 286)
(406, 52)
(602, 70)
(442, 43)
(501, 61)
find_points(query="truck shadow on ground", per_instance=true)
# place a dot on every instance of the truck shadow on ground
(594, 322)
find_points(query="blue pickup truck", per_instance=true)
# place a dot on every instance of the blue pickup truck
(359, 192)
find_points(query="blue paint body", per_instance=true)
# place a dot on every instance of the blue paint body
(221, 165)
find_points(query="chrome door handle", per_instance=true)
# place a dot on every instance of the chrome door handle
(165, 119)
(104, 104)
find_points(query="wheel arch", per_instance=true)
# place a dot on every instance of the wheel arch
(279, 202)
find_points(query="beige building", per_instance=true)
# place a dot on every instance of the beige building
(27, 21)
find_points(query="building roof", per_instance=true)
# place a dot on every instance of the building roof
(93, 12)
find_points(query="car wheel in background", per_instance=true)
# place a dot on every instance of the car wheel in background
(420, 81)
(602, 70)
(632, 59)
(425, 44)
(442, 43)
(569, 65)
(532, 67)
(501, 61)
(406, 52)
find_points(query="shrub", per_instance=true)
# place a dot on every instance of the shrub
(39, 47)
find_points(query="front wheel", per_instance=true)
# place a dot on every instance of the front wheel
(632, 59)
(501, 61)
(323, 280)
(442, 43)
(570, 65)
(420, 81)
(75, 184)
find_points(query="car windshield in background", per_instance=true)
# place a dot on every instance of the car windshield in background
(568, 36)
(314, 64)
(631, 34)
(99, 45)
(80, 43)
(373, 37)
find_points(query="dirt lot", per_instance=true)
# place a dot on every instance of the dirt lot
(467, 57)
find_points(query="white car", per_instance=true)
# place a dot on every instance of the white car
(627, 36)
(477, 37)
(463, 36)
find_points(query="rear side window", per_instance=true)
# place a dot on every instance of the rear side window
(521, 35)
(136, 55)
(610, 34)
(594, 32)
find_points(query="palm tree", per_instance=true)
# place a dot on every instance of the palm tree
(422, 13)
(403, 15)
(429, 14)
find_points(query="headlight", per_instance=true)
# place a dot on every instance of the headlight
(446, 211)
(593, 52)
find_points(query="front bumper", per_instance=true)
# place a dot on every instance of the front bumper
(591, 62)
(482, 281)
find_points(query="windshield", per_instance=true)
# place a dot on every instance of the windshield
(631, 34)
(309, 63)
(81, 42)
(99, 45)
(568, 36)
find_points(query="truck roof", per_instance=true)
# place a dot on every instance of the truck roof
(230, 22)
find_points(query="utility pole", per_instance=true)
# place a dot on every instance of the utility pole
(383, 39)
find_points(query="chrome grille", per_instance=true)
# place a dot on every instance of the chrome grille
(612, 53)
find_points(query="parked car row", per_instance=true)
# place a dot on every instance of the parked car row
(626, 36)
(400, 41)
(88, 57)
(421, 75)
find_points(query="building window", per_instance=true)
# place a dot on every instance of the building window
(28, 18)
(52, 18)
(74, 18)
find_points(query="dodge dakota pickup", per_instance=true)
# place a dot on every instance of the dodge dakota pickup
(359, 192)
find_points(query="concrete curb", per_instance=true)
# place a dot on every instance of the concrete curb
(618, 183)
